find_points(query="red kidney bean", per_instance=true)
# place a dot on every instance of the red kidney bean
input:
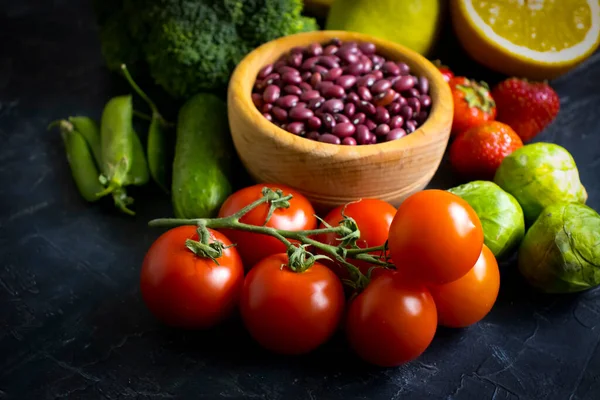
(306, 76)
(314, 49)
(267, 107)
(309, 63)
(406, 112)
(395, 134)
(314, 123)
(423, 85)
(292, 89)
(378, 75)
(404, 83)
(414, 103)
(346, 81)
(364, 93)
(268, 117)
(391, 68)
(316, 78)
(280, 63)
(257, 100)
(370, 124)
(328, 122)
(382, 130)
(380, 86)
(295, 59)
(301, 104)
(264, 71)
(366, 80)
(313, 135)
(363, 136)
(383, 99)
(367, 48)
(319, 69)
(349, 46)
(377, 61)
(333, 74)
(358, 118)
(286, 69)
(352, 97)
(425, 101)
(305, 86)
(412, 93)
(271, 94)
(271, 78)
(335, 91)
(314, 104)
(341, 118)
(291, 78)
(347, 56)
(329, 138)
(297, 49)
(410, 126)
(396, 96)
(333, 106)
(382, 115)
(396, 122)
(330, 50)
(349, 141)
(367, 64)
(287, 101)
(279, 114)
(394, 108)
(422, 117)
(297, 128)
(404, 68)
(402, 101)
(328, 61)
(344, 129)
(323, 84)
(300, 113)
(349, 109)
(355, 69)
(311, 94)
(366, 107)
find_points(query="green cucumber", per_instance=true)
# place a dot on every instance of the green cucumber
(203, 164)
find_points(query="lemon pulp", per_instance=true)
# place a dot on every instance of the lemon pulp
(545, 30)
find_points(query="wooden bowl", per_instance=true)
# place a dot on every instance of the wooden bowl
(330, 175)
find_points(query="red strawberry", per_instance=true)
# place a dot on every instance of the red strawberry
(528, 107)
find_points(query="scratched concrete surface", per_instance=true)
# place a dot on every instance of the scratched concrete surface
(71, 321)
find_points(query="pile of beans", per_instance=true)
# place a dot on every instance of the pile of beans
(342, 93)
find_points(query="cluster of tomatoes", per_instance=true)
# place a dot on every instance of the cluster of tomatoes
(444, 275)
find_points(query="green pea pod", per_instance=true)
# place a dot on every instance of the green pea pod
(88, 128)
(117, 139)
(81, 161)
(138, 173)
(156, 145)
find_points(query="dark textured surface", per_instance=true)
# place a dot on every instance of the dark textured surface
(72, 324)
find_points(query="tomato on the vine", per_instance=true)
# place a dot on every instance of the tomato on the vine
(392, 321)
(185, 290)
(291, 312)
(253, 247)
(435, 236)
(373, 218)
(469, 299)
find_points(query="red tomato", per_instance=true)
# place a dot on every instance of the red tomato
(435, 236)
(392, 321)
(288, 312)
(467, 300)
(254, 247)
(373, 218)
(185, 290)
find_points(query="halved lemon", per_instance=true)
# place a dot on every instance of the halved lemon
(536, 39)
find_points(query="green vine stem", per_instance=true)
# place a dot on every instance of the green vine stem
(299, 257)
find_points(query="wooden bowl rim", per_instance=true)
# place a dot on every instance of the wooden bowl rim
(240, 90)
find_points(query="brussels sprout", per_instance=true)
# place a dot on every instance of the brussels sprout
(539, 175)
(500, 214)
(561, 251)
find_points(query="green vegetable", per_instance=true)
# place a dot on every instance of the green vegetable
(81, 161)
(156, 146)
(202, 166)
(138, 173)
(88, 128)
(561, 250)
(189, 46)
(500, 214)
(118, 140)
(539, 175)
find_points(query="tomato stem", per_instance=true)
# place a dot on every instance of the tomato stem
(300, 258)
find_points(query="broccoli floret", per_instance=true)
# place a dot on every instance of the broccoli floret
(193, 45)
